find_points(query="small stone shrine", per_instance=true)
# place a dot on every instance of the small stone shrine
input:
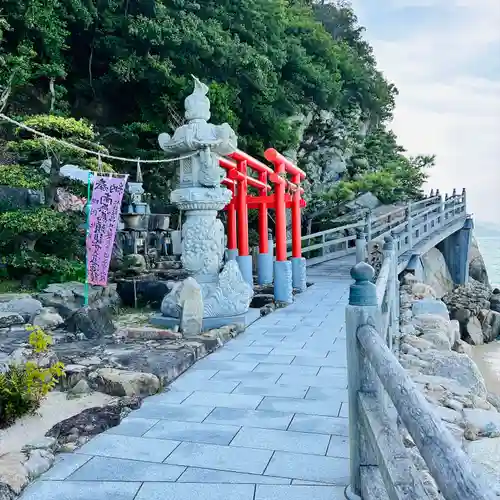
(226, 295)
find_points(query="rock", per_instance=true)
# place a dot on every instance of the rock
(417, 342)
(27, 307)
(92, 322)
(149, 333)
(44, 443)
(367, 201)
(433, 323)
(124, 383)
(22, 355)
(483, 422)
(439, 340)
(73, 374)
(92, 421)
(477, 267)
(38, 462)
(6, 493)
(8, 319)
(486, 453)
(490, 325)
(454, 331)
(81, 387)
(448, 415)
(68, 298)
(12, 471)
(48, 319)
(262, 299)
(192, 308)
(457, 367)
(472, 297)
(462, 348)
(423, 291)
(473, 331)
(436, 273)
(430, 306)
(494, 400)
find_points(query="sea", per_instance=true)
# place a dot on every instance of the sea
(487, 357)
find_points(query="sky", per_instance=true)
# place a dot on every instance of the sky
(444, 58)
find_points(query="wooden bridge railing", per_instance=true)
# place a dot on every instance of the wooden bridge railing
(412, 223)
(380, 390)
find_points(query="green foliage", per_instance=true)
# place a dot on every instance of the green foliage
(40, 220)
(21, 176)
(23, 387)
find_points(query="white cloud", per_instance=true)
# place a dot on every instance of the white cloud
(443, 108)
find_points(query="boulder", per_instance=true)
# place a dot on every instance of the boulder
(483, 423)
(436, 273)
(134, 264)
(92, 322)
(455, 366)
(26, 307)
(68, 298)
(48, 319)
(486, 453)
(13, 473)
(473, 331)
(473, 297)
(439, 340)
(435, 324)
(490, 325)
(495, 300)
(423, 291)
(430, 306)
(8, 319)
(477, 267)
(92, 421)
(124, 383)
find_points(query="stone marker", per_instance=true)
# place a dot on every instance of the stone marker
(191, 307)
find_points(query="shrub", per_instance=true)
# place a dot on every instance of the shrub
(23, 387)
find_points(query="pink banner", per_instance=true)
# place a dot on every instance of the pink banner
(106, 202)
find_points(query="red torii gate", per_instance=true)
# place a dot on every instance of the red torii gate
(287, 194)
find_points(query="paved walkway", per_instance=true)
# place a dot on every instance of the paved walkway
(263, 418)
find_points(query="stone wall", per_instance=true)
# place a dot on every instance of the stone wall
(437, 360)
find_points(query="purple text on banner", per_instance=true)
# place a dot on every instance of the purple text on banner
(103, 220)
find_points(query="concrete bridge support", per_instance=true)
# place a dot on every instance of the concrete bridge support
(455, 249)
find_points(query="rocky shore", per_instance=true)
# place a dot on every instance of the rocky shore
(432, 349)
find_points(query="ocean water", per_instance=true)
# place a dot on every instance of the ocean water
(490, 249)
(487, 357)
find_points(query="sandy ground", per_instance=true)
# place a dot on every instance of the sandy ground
(487, 359)
(54, 409)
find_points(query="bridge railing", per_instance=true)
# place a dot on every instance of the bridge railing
(411, 223)
(380, 391)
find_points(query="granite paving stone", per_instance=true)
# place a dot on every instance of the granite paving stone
(131, 426)
(208, 364)
(218, 399)
(309, 467)
(314, 381)
(65, 465)
(309, 407)
(288, 369)
(81, 490)
(327, 393)
(204, 385)
(209, 456)
(246, 377)
(283, 391)
(267, 492)
(129, 447)
(269, 439)
(319, 424)
(193, 432)
(173, 412)
(197, 475)
(190, 491)
(338, 447)
(265, 358)
(113, 469)
(250, 418)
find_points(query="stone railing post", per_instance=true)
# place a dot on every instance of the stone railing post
(360, 246)
(362, 309)
(454, 204)
(368, 227)
(464, 200)
(323, 243)
(446, 213)
(390, 252)
(409, 226)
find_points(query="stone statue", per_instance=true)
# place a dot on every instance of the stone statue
(200, 196)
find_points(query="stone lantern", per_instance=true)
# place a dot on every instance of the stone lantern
(200, 196)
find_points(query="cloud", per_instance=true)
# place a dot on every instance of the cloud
(449, 102)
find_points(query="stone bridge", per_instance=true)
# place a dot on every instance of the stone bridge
(302, 404)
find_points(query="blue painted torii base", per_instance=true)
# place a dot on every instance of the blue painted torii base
(246, 268)
(283, 289)
(265, 265)
(299, 274)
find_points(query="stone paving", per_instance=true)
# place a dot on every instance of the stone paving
(263, 418)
